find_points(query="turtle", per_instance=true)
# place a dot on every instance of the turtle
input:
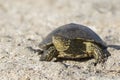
(73, 41)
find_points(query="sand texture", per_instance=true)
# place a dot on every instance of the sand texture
(24, 23)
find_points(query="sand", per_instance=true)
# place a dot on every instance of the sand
(24, 23)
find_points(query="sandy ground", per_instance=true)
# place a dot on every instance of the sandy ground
(24, 23)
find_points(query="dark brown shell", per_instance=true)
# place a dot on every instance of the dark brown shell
(74, 31)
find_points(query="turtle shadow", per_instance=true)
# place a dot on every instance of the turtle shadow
(77, 59)
(114, 46)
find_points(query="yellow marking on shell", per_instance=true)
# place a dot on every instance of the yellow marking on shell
(72, 56)
(60, 44)
(88, 46)
(85, 39)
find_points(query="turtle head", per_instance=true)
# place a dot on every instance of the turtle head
(61, 43)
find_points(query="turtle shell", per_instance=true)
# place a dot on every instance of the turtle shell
(73, 31)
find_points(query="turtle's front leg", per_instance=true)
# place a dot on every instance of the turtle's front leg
(49, 54)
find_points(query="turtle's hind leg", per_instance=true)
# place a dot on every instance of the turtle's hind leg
(49, 54)
(98, 54)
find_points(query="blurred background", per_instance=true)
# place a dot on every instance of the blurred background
(21, 17)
